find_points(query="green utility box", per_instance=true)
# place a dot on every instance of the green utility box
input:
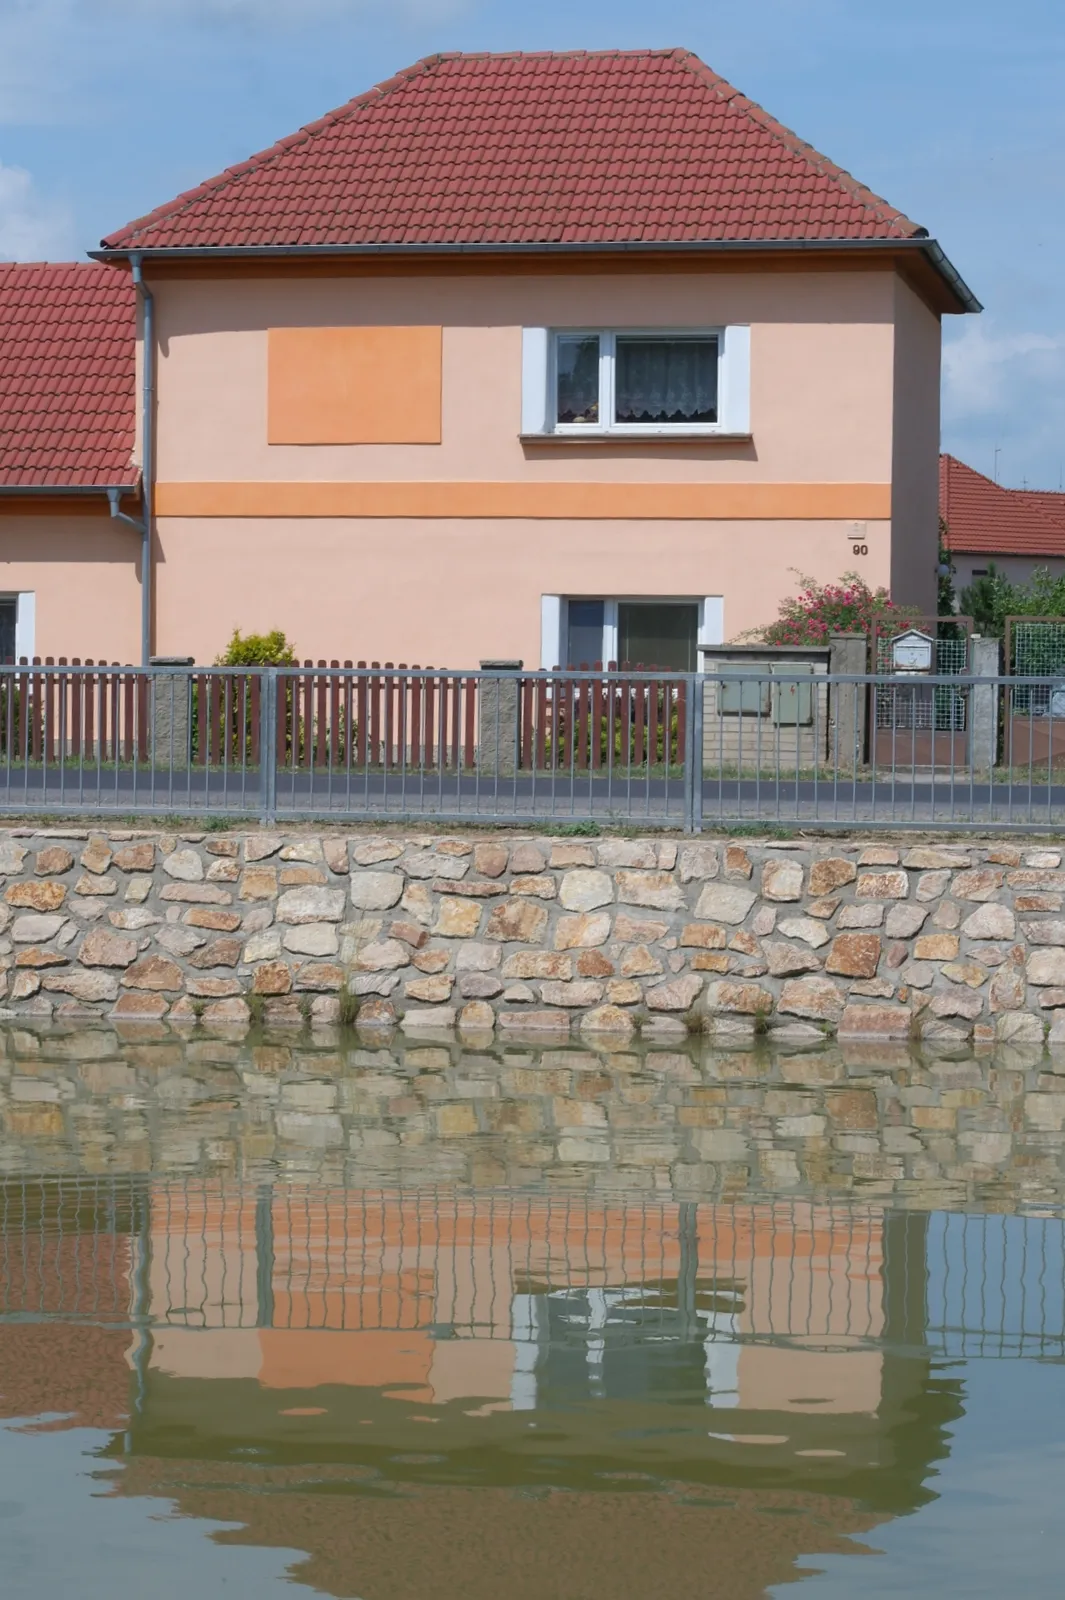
(793, 703)
(739, 695)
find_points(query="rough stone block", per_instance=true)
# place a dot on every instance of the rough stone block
(657, 890)
(782, 880)
(517, 922)
(830, 873)
(744, 999)
(457, 919)
(883, 886)
(584, 890)
(875, 1022)
(375, 891)
(154, 972)
(102, 948)
(854, 955)
(724, 902)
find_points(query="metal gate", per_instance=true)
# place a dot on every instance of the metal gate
(915, 721)
(1035, 713)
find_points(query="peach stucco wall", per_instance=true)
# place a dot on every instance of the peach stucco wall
(841, 364)
(450, 593)
(85, 574)
(821, 374)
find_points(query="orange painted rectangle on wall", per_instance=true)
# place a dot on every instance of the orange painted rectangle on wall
(625, 502)
(354, 385)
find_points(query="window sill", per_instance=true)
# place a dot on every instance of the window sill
(637, 436)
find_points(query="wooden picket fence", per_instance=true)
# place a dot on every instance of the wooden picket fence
(397, 716)
(102, 713)
(97, 715)
(339, 715)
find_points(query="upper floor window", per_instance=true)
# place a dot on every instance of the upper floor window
(636, 382)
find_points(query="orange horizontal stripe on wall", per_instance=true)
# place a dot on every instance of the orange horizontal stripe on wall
(620, 502)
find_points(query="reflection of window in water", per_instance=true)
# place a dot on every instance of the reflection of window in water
(641, 1342)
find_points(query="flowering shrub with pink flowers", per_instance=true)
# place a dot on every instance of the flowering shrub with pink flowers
(821, 609)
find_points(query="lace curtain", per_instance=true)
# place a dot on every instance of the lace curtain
(665, 380)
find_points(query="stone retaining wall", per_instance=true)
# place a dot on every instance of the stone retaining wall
(537, 935)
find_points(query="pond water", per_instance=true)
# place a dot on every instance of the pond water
(400, 1322)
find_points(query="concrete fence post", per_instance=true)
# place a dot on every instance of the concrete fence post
(171, 694)
(985, 662)
(850, 656)
(498, 712)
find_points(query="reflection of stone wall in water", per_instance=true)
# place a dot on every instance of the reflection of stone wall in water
(538, 936)
(696, 1118)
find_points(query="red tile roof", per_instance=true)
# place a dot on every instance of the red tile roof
(67, 339)
(647, 146)
(984, 518)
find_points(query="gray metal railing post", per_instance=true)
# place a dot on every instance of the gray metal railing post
(268, 747)
(693, 755)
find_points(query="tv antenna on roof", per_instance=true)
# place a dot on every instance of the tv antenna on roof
(998, 452)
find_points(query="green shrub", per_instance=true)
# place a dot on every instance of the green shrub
(991, 599)
(258, 650)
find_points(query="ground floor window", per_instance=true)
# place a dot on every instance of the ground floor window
(8, 623)
(658, 635)
(659, 632)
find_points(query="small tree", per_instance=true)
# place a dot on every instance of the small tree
(258, 650)
(822, 609)
(988, 601)
(946, 599)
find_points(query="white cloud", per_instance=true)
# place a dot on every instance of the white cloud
(1004, 392)
(985, 370)
(31, 227)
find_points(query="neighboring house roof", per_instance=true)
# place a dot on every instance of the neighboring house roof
(67, 347)
(983, 518)
(646, 146)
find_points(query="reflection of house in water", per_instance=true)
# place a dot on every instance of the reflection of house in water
(766, 1357)
(774, 1316)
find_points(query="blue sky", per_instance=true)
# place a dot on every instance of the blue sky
(953, 109)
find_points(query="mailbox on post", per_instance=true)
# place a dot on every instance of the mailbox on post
(912, 651)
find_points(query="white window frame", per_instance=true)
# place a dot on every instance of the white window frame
(540, 384)
(25, 621)
(554, 622)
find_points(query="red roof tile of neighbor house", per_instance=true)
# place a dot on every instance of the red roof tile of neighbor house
(984, 518)
(646, 146)
(67, 341)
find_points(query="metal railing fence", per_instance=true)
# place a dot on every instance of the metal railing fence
(686, 751)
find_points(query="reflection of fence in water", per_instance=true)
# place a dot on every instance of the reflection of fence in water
(191, 1253)
(205, 1255)
(996, 1285)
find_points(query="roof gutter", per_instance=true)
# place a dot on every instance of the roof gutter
(921, 245)
(52, 491)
